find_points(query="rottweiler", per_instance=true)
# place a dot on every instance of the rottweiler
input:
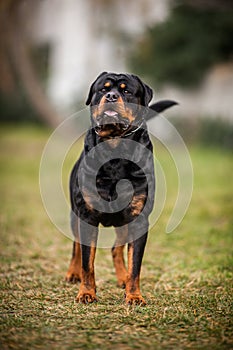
(119, 111)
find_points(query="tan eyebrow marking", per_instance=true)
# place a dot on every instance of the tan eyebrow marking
(122, 86)
(107, 84)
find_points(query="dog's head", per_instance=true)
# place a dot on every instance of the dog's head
(117, 101)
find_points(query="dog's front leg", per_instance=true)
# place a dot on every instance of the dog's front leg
(88, 237)
(135, 255)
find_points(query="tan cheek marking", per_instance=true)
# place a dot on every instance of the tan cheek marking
(129, 115)
(120, 101)
(125, 112)
(101, 104)
(97, 110)
(121, 106)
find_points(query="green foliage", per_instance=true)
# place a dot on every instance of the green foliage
(40, 58)
(181, 49)
(16, 108)
(207, 131)
(216, 132)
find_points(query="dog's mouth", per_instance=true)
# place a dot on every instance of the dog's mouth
(111, 116)
(111, 113)
(111, 129)
(113, 119)
(111, 123)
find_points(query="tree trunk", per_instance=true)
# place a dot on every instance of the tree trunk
(18, 53)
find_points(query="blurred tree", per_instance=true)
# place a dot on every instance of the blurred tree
(181, 50)
(17, 70)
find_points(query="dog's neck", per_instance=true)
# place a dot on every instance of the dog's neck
(131, 130)
(137, 132)
(114, 141)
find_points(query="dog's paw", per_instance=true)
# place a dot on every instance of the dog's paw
(121, 280)
(86, 297)
(134, 299)
(72, 277)
(121, 283)
(73, 274)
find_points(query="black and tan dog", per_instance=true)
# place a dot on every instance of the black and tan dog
(118, 113)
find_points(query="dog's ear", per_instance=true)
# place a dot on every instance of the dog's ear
(147, 91)
(90, 94)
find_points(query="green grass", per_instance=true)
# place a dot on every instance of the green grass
(186, 275)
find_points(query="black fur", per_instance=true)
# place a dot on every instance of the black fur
(119, 128)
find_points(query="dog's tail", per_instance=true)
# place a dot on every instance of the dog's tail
(159, 107)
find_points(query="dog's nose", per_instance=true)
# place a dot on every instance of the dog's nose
(112, 96)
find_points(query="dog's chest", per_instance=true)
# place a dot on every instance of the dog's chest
(112, 172)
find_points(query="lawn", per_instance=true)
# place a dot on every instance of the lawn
(186, 275)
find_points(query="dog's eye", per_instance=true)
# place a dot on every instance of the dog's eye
(106, 87)
(126, 92)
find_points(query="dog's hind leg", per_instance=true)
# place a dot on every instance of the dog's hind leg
(118, 256)
(73, 274)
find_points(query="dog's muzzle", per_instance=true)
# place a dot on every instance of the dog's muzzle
(111, 114)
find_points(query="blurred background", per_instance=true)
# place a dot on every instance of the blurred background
(51, 51)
